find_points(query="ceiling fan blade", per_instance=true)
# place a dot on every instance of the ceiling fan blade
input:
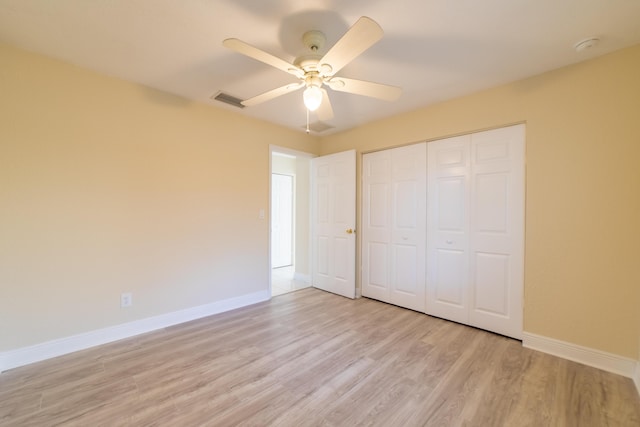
(361, 87)
(274, 93)
(325, 112)
(360, 37)
(262, 56)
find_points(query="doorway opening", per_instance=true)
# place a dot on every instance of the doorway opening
(290, 221)
(282, 220)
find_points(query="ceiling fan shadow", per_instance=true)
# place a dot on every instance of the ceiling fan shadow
(161, 97)
(233, 68)
(264, 9)
(294, 26)
(451, 54)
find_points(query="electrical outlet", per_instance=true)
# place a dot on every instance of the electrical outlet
(126, 300)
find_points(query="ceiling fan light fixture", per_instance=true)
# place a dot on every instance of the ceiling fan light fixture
(312, 97)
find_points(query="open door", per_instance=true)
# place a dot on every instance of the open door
(333, 220)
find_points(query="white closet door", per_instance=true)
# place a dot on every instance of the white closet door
(475, 229)
(448, 229)
(497, 230)
(376, 224)
(394, 229)
(408, 226)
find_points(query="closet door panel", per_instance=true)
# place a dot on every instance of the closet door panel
(408, 234)
(378, 271)
(447, 228)
(475, 226)
(491, 280)
(405, 270)
(497, 230)
(394, 228)
(376, 230)
(450, 278)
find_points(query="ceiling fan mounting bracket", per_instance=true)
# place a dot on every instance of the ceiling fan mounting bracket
(314, 40)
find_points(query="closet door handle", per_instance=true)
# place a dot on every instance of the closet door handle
(350, 231)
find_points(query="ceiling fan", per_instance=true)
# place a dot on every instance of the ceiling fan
(314, 71)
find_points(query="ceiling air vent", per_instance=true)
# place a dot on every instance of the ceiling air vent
(318, 126)
(228, 99)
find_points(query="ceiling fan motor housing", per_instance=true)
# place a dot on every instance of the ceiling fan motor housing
(312, 78)
(309, 63)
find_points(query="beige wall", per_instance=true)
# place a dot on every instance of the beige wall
(582, 281)
(107, 187)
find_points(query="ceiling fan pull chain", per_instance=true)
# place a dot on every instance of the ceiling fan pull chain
(307, 110)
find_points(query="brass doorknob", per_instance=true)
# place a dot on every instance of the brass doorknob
(350, 231)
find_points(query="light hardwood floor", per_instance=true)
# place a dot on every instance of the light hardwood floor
(283, 281)
(310, 358)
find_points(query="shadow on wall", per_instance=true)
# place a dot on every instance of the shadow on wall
(164, 98)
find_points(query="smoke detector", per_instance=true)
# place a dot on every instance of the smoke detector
(586, 44)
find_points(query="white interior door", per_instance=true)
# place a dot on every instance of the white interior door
(333, 215)
(281, 220)
(394, 228)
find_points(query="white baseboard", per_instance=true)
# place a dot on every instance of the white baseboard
(35, 353)
(587, 356)
(636, 376)
(302, 277)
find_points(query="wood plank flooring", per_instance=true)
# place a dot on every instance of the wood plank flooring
(310, 358)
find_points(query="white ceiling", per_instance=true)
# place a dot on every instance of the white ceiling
(434, 49)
